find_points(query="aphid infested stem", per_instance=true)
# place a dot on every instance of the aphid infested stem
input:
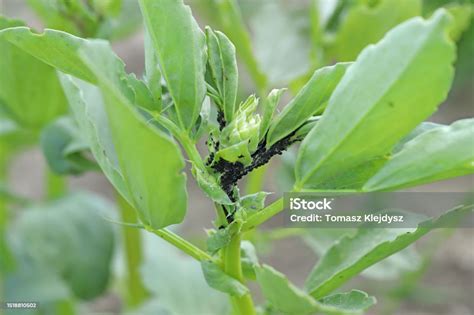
(231, 173)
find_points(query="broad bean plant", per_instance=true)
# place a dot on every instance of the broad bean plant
(356, 126)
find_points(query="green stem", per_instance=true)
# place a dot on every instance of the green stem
(65, 307)
(276, 207)
(56, 185)
(182, 244)
(233, 267)
(3, 178)
(183, 138)
(263, 215)
(221, 219)
(234, 26)
(255, 180)
(6, 261)
(136, 292)
(255, 184)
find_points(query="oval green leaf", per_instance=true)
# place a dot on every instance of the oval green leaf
(308, 102)
(441, 153)
(289, 299)
(181, 49)
(355, 253)
(62, 236)
(150, 161)
(29, 89)
(392, 87)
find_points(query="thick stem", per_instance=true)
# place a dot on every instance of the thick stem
(233, 267)
(56, 185)
(6, 261)
(136, 292)
(263, 215)
(65, 307)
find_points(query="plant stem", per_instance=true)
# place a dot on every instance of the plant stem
(6, 261)
(181, 243)
(136, 292)
(276, 207)
(263, 215)
(183, 138)
(3, 177)
(221, 219)
(55, 185)
(65, 307)
(233, 267)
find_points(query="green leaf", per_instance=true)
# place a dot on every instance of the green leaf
(308, 102)
(235, 152)
(269, 106)
(416, 59)
(64, 148)
(142, 96)
(154, 183)
(180, 46)
(355, 253)
(421, 128)
(35, 283)
(222, 237)
(152, 71)
(254, 202)
(289, 299)
(353, 302)
(282, 294)
(181, 288)
(441, 153)
(150, 161)
(55, 48)
(223, 70)
(391, 268)
(306, 128)
(203, 125)
(219, 280)
(69, 239)
(87, 106)
(210, 186)
(249, 259)
(363, 25)
(28, 88)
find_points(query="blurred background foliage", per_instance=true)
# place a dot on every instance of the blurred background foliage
(57, 249)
